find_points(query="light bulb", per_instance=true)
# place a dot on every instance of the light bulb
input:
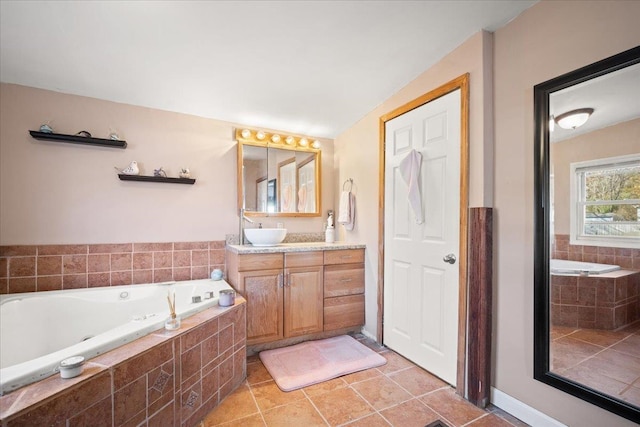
(304, 142)
(315, 144)
(289, 140)
(246, 133)
(260, 135)
(275, 138)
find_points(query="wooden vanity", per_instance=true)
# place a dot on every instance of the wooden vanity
(298, 291)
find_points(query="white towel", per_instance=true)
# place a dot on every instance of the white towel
(410, 171)
(347, 213)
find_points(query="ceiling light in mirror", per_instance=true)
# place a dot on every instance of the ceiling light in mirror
(574, 119)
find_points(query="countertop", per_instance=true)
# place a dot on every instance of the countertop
(293, 247)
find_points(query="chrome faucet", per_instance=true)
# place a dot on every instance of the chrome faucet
(243, 218)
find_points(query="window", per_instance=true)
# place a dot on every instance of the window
(605, 205)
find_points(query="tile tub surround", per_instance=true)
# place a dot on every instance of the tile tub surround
(36, 268)
(626, 258)
(165, 378)
(607, 301)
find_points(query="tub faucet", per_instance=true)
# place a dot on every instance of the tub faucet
(243, 218)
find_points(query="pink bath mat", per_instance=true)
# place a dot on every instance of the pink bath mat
(313, 362)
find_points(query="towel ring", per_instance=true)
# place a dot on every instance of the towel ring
(348, 181)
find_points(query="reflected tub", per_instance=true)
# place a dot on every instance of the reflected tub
(563, 267)
(40, 329)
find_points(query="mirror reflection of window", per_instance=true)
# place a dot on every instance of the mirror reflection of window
(306, 185)
(288, 185)
(261, 194)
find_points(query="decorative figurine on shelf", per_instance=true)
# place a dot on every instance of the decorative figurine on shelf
(184, 173)
(45, 128)
(132, 169)
(159, 172)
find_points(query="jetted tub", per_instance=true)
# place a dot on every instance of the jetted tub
(563, 267)
(40, 329)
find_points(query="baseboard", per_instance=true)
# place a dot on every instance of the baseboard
(522, 411)
(368, 335)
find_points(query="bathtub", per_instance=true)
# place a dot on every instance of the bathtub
(40, 329)
(563, 267)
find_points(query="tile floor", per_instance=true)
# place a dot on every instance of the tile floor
(397, 394)
(605, 360)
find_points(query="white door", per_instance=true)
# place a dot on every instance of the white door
(420, 288)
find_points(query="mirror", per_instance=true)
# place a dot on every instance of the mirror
(587, 234)
(278, 175)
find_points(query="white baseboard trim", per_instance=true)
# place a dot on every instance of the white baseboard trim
(367, 334)
(522, 411)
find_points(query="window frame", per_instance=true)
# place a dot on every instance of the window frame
(576, 236)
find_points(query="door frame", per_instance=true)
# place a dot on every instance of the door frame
(461, 83)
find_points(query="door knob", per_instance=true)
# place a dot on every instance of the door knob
(450, 258)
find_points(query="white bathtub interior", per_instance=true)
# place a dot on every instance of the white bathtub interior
(38, 330)
(564, 267)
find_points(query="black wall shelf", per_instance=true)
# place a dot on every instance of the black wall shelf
(75, 139)
(145, 178)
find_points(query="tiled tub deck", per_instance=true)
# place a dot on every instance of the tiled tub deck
(163, 379)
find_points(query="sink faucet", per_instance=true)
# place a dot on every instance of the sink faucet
(243, 218)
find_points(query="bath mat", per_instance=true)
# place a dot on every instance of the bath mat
(313, 362)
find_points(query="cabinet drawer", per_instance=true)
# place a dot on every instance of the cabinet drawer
(303, 259)
(343, 279)
(343, 312)
(346, 256)
(250, 262)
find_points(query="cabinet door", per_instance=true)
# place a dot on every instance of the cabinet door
(263, 292)
(303, 294)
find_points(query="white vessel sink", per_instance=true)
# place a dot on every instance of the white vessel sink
(265, 236)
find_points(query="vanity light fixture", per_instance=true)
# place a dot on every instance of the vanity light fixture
(287, 142)
(574, 118)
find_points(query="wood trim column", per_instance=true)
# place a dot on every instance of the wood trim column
(480, 312)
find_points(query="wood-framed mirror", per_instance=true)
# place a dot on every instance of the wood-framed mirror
(278, 175)
(587, 234)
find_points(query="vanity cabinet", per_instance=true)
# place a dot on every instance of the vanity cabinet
(284, 293)
(302, 293)
(343, 288)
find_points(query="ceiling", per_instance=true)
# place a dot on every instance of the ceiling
(308, 67)
(614, 97)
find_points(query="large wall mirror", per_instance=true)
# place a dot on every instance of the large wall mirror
(587, 233)
(278, 175)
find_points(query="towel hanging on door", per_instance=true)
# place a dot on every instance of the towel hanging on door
(410, 171)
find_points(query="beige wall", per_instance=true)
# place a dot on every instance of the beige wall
(549, 39)
(357, 150)
(617, 140)
(53, 193)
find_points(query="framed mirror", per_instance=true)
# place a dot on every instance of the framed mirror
(587, 233)
(278, 175)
